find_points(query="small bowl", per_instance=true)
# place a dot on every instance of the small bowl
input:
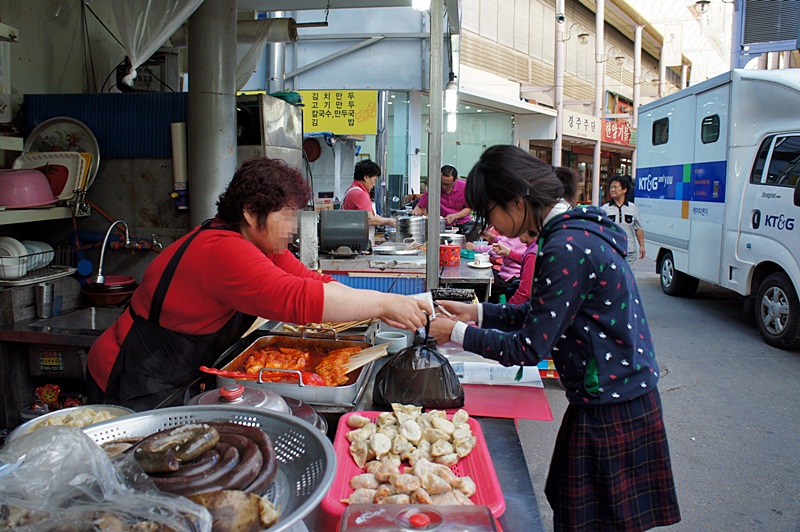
(108, 298)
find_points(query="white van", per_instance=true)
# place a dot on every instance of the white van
(717, 190)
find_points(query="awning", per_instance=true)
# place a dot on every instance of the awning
(496, 102)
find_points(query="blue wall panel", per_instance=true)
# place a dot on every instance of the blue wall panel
(127, 125)
(403, 285)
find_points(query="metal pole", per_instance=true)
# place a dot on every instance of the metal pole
(381, 155)
(599, 93)
(212, 105)
(558, 70)
(684, 76)
(277, 63)
(637, 85)
(435, 118)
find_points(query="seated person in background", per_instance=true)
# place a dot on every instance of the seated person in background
(356, 198)
(453, 206)
(506, 278)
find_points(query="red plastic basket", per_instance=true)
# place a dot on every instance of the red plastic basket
(477, 465)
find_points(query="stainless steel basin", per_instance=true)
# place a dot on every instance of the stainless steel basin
(91, 320)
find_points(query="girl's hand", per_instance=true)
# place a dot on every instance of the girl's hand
(461, 311)
(501, 250)
(470, 246)
(441, 329)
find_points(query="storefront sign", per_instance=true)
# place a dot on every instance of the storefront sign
(618, 131)
(580, 125)
(340, 112)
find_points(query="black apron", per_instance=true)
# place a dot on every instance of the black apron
(155, 364)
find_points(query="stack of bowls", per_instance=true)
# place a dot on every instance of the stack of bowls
(20, 189)
(116, 290)
(13, 258)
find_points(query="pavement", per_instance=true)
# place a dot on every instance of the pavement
(731, 408)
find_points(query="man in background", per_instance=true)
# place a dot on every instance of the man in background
(625, 214)
(453, 206)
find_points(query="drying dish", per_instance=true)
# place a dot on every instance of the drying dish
(22, 189)
(113, 281)
(63, 187)
(479, 265)
(37, 256)
(64, 133)
(13, 258)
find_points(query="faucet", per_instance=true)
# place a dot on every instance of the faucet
(100, 278)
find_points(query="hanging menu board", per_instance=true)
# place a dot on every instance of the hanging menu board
(341, 112)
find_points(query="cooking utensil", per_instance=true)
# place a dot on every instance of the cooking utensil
(238, 395)
(365, 356)
(306, 457)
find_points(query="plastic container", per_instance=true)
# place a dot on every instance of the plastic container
(404, 517)
(477, 464)
(24, 188)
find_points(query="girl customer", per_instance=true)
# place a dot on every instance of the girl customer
(610, 468)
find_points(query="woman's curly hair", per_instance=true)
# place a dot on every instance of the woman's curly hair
(261, 186)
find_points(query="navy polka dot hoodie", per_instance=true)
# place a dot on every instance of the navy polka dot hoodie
(585, 309)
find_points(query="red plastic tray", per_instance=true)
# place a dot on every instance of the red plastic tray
(477, 465)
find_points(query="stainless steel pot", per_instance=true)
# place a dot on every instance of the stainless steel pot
(414, 227)
(453, 239)
(238, 395)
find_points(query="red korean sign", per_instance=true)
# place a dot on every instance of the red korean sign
(618, 131)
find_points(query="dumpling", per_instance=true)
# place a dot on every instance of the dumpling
(461, 433)
(356, 421)
(432, 435)
(414, 456)
(391, 458)
(441, 447)
(406, 412)
(464, 446)
(461, 498)
(397, 499)
(433, 483)
(364, 433)
(420, 496)
(365, 480)
(389, 430)
(385, 471)
(401, 445)
(359, 450)
(411, 431)
(360, 496)
(422, 466)
(447, 459)
(466, 486)
(443, 424)
(383, 491)
(372, 466)
(405, 483)
(386, 418)
(380, 444)
(461, 416)
(445, 499)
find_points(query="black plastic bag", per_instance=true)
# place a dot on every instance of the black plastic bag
(418, 375)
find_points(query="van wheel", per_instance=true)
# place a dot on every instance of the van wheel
(778, 312)
(673, 282)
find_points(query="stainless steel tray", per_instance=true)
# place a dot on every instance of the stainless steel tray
(395, 249)
(307, 461)
(328, 399)
(72, 414)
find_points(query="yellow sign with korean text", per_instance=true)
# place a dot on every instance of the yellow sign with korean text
(341, 112)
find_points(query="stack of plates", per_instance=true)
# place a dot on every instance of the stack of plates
(13, 258)
(40, 254)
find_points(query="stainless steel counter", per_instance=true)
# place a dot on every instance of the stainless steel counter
(76, 328)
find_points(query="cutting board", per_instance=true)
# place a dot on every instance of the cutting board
(513, 402)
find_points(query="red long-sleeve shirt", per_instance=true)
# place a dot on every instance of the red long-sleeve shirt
(220, 273)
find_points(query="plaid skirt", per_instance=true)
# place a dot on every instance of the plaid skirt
(611, 468)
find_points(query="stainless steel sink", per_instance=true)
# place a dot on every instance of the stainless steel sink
(91, 320)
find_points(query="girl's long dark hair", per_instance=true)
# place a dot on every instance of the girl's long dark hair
(505, 173)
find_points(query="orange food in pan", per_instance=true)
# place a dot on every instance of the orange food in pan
(280, 358)
(333, 368)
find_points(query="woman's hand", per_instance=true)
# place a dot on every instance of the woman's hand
(461, 311)
(404, 312)
(441, 329)
(500, 249)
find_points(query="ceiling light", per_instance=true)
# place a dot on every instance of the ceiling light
(583, 37)
(467, 107)
(451, 122)
(451, 95)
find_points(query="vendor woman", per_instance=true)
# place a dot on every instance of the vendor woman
(204, 291)
(611, 467)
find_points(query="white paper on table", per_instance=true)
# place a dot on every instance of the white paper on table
(482, 373)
